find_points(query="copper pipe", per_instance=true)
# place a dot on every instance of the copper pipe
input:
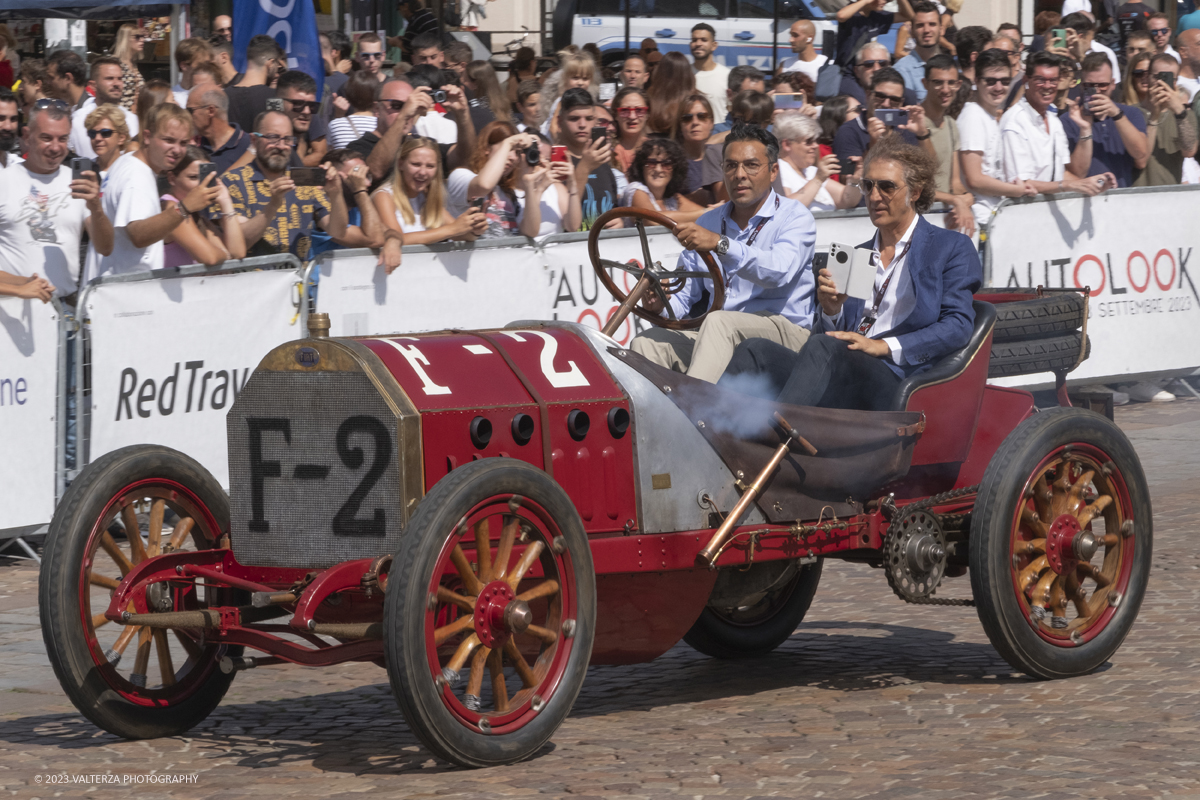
(623, 311)
(708, 556)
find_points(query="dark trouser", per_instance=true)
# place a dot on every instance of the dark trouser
(825, 373)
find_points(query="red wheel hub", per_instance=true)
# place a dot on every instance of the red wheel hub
(491, 625)
(1067, 544)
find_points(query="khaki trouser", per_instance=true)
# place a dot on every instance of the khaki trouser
(705, 353)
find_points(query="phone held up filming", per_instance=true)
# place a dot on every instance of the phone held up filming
(852, 269)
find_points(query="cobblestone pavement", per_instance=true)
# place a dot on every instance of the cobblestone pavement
(869, 698)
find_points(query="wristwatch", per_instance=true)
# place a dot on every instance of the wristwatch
(921, 138)
(722, 246)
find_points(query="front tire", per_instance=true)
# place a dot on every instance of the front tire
(94, 539)
(756, 629)
(493, 573)
(1061, 541)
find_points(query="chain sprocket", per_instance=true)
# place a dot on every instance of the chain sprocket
(914, 555)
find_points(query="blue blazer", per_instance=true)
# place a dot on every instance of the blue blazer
(942, 272)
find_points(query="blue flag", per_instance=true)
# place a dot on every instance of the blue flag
(292, 23)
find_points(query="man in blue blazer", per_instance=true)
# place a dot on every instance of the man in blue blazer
(920, 309)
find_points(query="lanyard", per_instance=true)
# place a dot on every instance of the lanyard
(869, 318)
(757, 229)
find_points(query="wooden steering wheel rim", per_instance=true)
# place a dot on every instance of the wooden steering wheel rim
(718, 290)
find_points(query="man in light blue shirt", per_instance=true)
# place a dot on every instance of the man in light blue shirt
(763, 244)
(926, 33)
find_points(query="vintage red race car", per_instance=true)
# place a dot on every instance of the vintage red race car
(486, 513)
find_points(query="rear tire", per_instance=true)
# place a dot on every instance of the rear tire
(1055, 314)
(1053, 354)
(1030, 581)
(130, 696)
(758, 630)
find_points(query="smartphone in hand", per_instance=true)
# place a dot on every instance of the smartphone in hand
(206, 168)
(80, 166)
(307, 176)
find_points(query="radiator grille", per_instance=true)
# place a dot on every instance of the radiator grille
(314, 470)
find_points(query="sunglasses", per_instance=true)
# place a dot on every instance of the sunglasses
(1097, 86)
(886, 188)
(103, 133)
(602, 123)
(877, 63)
(192, 110)
(138, 38)
(703, 116)
(48, 102)
(993, 81)
(394, 105)
(1137, 73)
(370, 56)
(1160, 31)
(664, 163)
(888, 98)
(633, 111)
(310, 106)
(224, 30)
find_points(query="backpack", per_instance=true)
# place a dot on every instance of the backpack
(829, 81)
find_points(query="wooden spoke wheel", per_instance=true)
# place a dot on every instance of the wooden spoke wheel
(128, 506)
(763, 619)
(490, 613)
(652, 277)
(1061, 543)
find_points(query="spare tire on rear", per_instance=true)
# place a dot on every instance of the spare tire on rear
(1054, 314)
(1052, 354)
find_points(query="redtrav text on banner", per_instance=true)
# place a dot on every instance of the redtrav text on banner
(28, 387)
(1133, 249)
(292, 23)
(170, 356)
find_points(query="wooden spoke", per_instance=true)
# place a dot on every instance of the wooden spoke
(543, 589)
(1032, 547)
(98, 620)
(189, 644)
(1075, 496)
(483, 547)
(444, 595)
(1060, 487)
(164, 658)
(1031, 520)
(1111, 539)
(103, 580)
(142, 660)
(1041, 497)
(1058, 595)
(133, 533)
(470, 582)
(157, 509)
(475, 682)
(463, 652)
(1031, 572)
(527, 558)
(1099, 577)
(518, 662)
(495, 664)
(126, 637)
(110, 546)
(545, 634)
(182, 529)
(504, 551)
(1078, 596)
(1041, 592)
(1086, 515)
(440, 635)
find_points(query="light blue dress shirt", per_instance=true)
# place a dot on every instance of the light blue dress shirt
(774, 274)
(913, 70)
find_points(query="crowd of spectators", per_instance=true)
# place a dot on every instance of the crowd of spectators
(439, 147)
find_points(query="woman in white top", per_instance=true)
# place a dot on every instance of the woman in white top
(500, 179)
(360, 91)
(803, 174)
(414, 202)
(108, 134)
(657, 178)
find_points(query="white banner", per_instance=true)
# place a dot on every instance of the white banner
(1133, 248)
(170, 355)
(28, 388)
(461, 288)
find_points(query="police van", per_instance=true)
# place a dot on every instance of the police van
(744, 27)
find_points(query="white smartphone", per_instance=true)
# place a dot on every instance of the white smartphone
(852, 270)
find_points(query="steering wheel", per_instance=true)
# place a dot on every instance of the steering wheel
(651, 276)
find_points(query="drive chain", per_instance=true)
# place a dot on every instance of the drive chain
(921, 505)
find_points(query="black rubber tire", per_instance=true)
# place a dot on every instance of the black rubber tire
(1055, 314)
(58, 595)
(404, 612)
(717, 637)
(1054, 354)
(991, 581)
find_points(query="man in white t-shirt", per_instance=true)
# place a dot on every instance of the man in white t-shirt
(981, 162)
(808, 60)
(44, 211)
(1084, 26)
(140, 223)
(10, 127)
(712, 79)
(107, 80)
(1033, 143)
